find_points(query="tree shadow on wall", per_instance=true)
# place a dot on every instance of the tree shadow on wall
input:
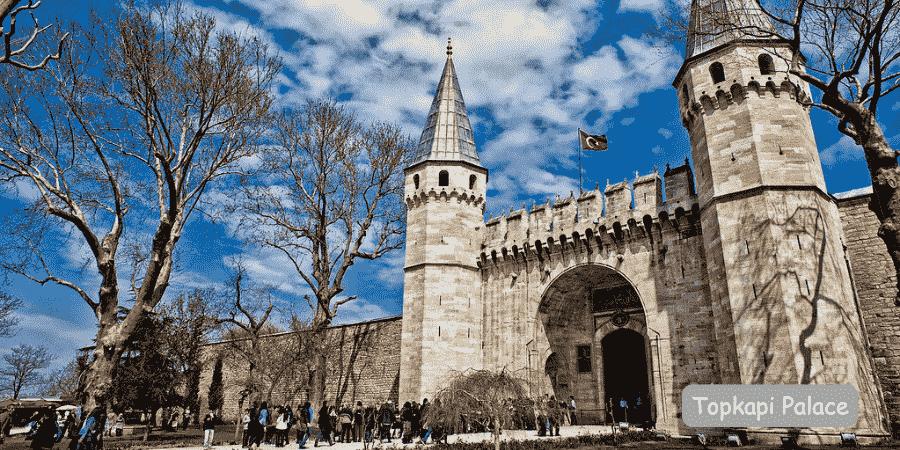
(797, 303)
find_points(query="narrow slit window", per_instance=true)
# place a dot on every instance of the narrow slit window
(443, 178)
(584, 358)
(416, 180)
(472, 180)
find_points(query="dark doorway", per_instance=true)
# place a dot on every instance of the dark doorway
(625, 376)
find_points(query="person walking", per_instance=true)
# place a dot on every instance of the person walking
(358, 422)
(208, 429)
(385, 419)
(304, 424)
(264, 421)
(280, 427)
(91, 435)
(255, 429)
(45, 431)
(120, 424)
(324, 422)
(406, 419)
(346, 420)
(426, 426)
(291, 420)
(369, 424)
(6, 421)
(573, 417)
(245, 436)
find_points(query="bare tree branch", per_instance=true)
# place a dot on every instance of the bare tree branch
(6, 9)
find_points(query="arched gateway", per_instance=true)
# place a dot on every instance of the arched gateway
(622, 294)
(599, 350)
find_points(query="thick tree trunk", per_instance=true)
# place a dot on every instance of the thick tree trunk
(319, 365)
(883, 168)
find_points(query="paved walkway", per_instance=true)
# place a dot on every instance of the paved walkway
(395, 443)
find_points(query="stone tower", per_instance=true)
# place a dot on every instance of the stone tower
(445, 192)
(783, 305)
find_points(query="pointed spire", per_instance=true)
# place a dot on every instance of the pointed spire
(717, 22)
(447, 135)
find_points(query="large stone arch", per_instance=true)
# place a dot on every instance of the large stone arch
(574, 327)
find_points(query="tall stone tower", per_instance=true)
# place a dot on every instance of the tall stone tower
(783, 305)
(445, 191)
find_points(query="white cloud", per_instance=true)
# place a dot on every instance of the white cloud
(841, 151)
(61, 338)
(358, 310)
(627, 121)
(665, 132)
(641, 5)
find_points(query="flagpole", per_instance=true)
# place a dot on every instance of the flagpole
(580, 191)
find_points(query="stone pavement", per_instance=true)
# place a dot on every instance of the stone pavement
(395, 443)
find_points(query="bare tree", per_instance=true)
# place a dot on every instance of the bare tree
(246, 312)
(23, 364)
(8, 322)
(63, 383)
(12, 56)
(852, 54)
(131, 128)
(479, 396)
(334, 194)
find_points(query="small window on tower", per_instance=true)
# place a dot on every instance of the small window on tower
(584, 358)
(717, 71)
(472, 180)
(766, 65)
(443, 178)
(416, 180)
(684, 95)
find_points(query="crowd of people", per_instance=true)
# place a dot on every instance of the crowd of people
(329, 424)
(334, 424)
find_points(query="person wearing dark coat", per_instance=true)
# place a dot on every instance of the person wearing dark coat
(255, 429)
(324, 421)
(45, 431)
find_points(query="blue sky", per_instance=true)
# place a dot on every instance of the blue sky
(531, 74)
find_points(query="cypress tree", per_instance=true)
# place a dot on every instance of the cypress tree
(216, 388)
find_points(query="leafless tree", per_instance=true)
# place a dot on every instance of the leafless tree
(12, 56)
(117, 145)
(246, 315)
(332, 194)
(477, 396)
(852, 60)
(23, 364)
(63, 383)
(8, 322)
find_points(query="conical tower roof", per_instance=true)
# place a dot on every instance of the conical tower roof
(447, 135)
(717, 22)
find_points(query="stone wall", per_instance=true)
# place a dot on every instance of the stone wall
(875, 282)
(364, 366)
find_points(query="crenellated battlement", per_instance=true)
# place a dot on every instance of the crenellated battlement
(737, 93)
(621, 211)
(444, 194)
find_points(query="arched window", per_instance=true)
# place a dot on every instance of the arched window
(472, 180)
(443, 178)
(684, 94)
(416, 180)
(766, 65)
(717, 71)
